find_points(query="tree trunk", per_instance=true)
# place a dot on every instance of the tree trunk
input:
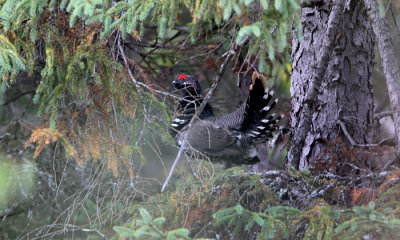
(331, 79)
(390, 61)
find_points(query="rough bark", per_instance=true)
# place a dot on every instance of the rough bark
(331, 79)
(390, 62)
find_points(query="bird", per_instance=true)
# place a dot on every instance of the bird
(232, 137)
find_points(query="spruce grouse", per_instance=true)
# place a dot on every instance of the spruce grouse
(232, 137)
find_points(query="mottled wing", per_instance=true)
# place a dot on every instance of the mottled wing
(205, 136)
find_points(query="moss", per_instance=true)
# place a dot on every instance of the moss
(321, 201)
(193, 208)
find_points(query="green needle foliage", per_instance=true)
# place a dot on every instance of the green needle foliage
(149, 228)
(274, 223)
(75, 46)
(10, 61)
(268, 24)
(369, 220)
(320, 222)
(265, 22)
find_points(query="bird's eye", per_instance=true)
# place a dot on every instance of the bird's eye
(182, 76)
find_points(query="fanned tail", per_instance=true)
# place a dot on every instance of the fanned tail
(260, 122)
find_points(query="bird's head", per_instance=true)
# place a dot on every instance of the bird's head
(189, 83)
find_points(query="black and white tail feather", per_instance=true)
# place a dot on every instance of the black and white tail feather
(231, 137)
(260, 122)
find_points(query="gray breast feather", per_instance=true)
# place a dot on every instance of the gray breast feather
(208, 137)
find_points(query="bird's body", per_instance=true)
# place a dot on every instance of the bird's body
(232, 137)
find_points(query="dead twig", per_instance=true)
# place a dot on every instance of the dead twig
(164, 46)
(386, 141)
(176, 27)
(137, 83)
(380, 115)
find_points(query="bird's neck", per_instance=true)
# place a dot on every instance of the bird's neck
(188, 105)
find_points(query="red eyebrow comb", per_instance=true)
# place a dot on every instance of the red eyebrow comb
(182, 76)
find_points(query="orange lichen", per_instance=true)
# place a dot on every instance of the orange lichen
(392, 179)
(363, 196)
(198, 214)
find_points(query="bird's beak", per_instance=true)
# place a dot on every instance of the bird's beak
(178, 84)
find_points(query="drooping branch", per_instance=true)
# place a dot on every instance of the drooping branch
(389, 60)
(16, 96)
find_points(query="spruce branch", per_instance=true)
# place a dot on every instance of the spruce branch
(229, 55)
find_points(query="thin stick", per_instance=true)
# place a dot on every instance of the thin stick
(164, 46)
(221, 71)
(137, 83)
(387, 141)
(378, 116)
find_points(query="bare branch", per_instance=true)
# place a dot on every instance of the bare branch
(164, 46)
(386, 141)
(176, 27)
(380, 115)
(16, 96)
(137, 83)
